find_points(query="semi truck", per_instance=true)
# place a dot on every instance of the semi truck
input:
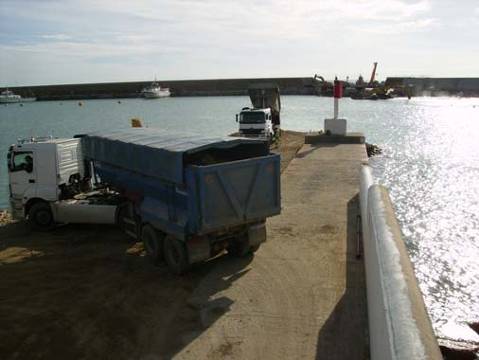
(262, 120)
(186, 197)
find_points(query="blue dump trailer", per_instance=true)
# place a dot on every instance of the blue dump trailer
(188, 198)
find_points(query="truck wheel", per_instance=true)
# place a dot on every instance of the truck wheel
(152, 243)
(40, 216)
(175, 255)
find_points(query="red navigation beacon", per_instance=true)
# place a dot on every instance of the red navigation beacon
(338, 89)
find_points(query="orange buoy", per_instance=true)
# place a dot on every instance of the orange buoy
(136, 123)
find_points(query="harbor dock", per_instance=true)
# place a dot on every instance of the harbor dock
(303, 296)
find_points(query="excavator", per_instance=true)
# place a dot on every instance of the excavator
(325, 87)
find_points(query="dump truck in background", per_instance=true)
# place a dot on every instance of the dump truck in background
(263, 119)
(187, 198)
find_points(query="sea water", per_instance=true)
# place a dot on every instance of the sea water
(430, 164)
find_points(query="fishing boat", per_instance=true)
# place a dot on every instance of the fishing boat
(8, 96)
(155, 91)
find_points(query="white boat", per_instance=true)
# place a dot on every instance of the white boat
(8, 96)
(155, 91)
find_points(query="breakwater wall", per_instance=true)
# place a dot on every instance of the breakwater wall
(399, 326)
(436, 86)
(214, 87)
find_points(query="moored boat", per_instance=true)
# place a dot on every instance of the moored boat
(155, 91)
(8, 96)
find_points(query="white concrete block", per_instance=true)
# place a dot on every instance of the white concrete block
(335, 126)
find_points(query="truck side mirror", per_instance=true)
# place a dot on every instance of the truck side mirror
(236, 117)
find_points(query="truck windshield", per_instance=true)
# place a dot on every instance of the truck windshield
(252, 118)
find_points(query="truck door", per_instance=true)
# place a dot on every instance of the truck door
(22, 174)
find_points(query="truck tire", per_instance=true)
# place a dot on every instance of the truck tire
(176, 256)
(40, 217)
(153, 244)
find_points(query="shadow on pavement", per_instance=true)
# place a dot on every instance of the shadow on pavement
(344, 334)
(314, 147)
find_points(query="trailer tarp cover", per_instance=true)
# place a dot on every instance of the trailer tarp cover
(153, 152)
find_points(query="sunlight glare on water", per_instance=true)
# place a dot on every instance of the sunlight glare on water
(432, 171)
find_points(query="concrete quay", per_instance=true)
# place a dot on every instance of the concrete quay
(303, 296)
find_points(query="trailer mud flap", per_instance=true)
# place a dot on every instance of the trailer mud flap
(257, 234)
(198, 248)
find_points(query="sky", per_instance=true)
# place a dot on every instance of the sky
(66, 41)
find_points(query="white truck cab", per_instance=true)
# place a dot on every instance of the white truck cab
(38, 168)
(255, 123)
(44, 173)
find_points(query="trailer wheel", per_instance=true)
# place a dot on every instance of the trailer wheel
(176, 255)
(239, 247)
(254, 248)
(40, 216)
(153, 243)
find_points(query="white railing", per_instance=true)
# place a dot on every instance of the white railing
(399, 326)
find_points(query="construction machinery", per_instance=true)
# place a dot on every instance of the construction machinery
(371, 90)
(373, 75)
(325, 87)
